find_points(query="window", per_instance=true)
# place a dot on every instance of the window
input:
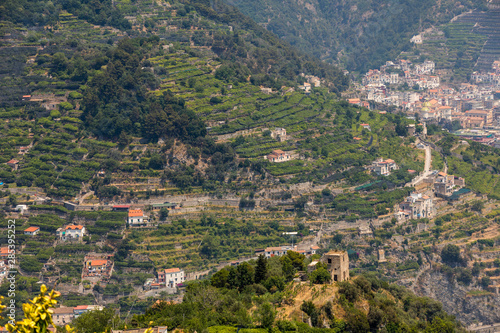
(329, 260)
(335, 277)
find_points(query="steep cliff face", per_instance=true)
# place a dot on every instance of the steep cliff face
(361, 34)
(457, 299)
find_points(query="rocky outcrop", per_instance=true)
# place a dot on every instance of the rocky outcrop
(467, 309)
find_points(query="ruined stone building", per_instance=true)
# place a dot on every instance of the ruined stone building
(337, 263)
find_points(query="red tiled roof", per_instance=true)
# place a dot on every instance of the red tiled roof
(98, 262)
(172, 270)
(31, 229)
(74, 227)
(81, 307)
(135, 213)
(4, 251)
(121, 206)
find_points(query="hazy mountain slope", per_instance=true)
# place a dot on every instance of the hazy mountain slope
(361, 34)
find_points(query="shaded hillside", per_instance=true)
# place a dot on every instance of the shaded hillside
(359, 34)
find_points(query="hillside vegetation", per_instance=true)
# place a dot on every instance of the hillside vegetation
(360, 34)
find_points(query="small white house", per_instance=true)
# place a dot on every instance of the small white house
(32, 231)
(171, 277)
(135, 217)
(71, 232)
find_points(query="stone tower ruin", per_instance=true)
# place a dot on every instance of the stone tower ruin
(337, 263)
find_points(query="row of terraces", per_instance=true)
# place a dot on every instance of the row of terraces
(486, 23)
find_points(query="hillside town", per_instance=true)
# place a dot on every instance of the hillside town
(471, 110)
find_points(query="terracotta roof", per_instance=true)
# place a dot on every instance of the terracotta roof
(121, 206)
(314, 247)
(98, 262)
(278, 151)
(31, 229)
(172, 270)
(81, 307)
(74, 227)
(135, 213)
(12, 162)
(4, 251)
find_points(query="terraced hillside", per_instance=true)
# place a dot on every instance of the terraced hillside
(488, 24)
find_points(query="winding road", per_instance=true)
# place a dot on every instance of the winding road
(427, 168)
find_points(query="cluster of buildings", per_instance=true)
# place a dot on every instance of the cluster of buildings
(65, 315)
(492, 77)
(446, 185)
(375, 83)
(278, 251)
(473, 105)
(383, 167)
(4, 257)
(311, 81)
(416, 206)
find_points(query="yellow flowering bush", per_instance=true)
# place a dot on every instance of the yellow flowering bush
(38, 314)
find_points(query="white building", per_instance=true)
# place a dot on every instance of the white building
(71, 232)
(135, 217)
(417, 39)
(416, 206)
(279, 251)
(171, 277)
(279, 134)
(32, 231)
(383, 167)
(278, 155)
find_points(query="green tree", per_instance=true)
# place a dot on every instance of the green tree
(94, 321)
(163, 214)
(287, 267)
(245, 275)
(485, 282)
(310, 309)
(320, 275)
(220, 279)
(261, 269)
(267, 315)
(451, 254)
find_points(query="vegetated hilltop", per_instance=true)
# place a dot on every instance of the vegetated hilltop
(359, 34)
(241, 297)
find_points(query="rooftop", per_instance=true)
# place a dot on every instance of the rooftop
(98, 262)
(74, 227)
(135, 213)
